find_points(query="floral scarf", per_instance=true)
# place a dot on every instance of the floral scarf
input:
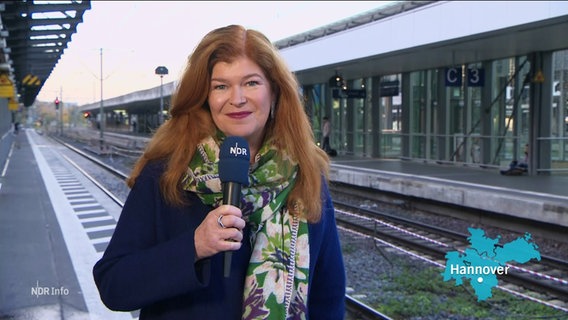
(276, 285)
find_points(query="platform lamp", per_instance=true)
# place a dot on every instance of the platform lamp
(336, 84)
(161, 71)
(336, 81)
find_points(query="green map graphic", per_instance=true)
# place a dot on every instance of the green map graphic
(485, 259)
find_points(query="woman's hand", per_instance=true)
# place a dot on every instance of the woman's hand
(221, 230)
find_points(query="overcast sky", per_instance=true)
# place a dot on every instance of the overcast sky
(138, 36)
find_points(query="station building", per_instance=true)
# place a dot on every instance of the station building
(472, 83)
(447, 81)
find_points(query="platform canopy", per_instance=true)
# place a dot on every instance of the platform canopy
(33, 36)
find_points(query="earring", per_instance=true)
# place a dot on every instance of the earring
(272, 111)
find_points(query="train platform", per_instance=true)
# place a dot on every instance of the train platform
(48, 253)
(541, 198)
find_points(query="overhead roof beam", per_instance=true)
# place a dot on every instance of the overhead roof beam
(39, 44)
(52, 7)
(19, 35)
(28, 23)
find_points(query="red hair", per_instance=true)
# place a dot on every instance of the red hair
(176, 140)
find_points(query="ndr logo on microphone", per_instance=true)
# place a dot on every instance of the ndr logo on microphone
(237, 151)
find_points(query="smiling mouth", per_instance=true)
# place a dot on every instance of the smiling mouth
(238, 115)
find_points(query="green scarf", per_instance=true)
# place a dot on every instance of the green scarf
(276, 285)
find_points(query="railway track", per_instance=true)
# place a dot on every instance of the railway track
(432, 243)
(360, 311)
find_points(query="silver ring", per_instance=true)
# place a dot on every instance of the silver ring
(221, 222)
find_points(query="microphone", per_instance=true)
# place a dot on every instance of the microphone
(234, 159)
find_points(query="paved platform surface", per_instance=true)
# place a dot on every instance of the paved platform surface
(541, 198)
(548, 185)
(48, 251)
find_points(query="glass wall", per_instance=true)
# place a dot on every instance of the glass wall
(510, 116)
(418, 115)
(473, 111)
(361, 112)
(436, 117)
(338, 136)
(390, 116)
(368, 137)
(559, 115)
(316, 111)
(477, 114)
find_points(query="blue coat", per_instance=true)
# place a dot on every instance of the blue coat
(150, 265)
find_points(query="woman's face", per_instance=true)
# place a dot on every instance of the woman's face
(240, 99)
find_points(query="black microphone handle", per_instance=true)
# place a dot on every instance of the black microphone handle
(232, 196)
(232, 193)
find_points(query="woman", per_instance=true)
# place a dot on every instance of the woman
(166, 254)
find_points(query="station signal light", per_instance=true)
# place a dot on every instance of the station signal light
(57, 103)
(87, 115)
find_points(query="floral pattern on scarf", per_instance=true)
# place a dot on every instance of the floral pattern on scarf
(276, 285)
